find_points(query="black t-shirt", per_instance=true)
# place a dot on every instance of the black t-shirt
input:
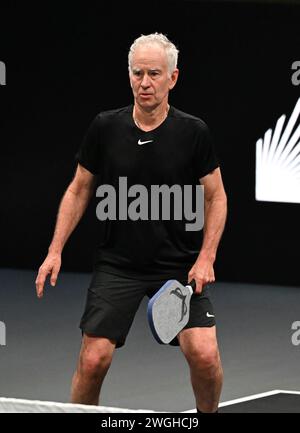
(178, 152)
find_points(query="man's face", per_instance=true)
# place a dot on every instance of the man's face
(149, 76)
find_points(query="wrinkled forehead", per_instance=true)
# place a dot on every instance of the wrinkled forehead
(149, 56)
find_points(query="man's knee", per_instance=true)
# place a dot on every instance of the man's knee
(96, 357)
(94, 364)
(205, 358)
(199, 350)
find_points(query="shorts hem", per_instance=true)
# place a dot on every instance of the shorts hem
(119, 341)
(175, 341)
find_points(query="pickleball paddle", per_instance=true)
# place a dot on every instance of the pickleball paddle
(169, 310)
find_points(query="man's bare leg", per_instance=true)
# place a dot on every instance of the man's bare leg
(94, 361)
(199, 345)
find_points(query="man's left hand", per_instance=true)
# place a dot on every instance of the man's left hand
(202, 272)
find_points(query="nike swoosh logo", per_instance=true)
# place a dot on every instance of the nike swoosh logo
(144, 142)
(209, 315)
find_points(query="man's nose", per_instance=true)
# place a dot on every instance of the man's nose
(145, 81)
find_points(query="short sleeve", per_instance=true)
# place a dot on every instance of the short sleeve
(206, 159)
(88, 154)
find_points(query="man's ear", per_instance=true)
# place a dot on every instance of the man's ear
(173, 78)
(130, 79)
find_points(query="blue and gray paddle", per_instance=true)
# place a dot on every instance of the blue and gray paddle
(169, 310)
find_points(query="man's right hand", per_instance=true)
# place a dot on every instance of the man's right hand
(71, 209)
(51, 265)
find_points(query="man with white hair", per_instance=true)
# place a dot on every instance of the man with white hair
(149, 143)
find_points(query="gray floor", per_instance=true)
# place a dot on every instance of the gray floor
(43, 339)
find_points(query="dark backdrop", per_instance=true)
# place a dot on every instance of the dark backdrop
(65, 64)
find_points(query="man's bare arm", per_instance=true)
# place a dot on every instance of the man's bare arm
(72, 206)
(215, 212)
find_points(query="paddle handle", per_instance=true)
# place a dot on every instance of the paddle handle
(192, 285)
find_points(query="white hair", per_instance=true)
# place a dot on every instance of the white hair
(161, 40)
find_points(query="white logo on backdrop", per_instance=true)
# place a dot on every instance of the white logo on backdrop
(278, 161)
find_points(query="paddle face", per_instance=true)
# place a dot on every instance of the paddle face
(169, 310)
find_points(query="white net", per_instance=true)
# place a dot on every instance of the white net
(14, 405)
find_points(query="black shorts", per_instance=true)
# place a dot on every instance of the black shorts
(113, 300)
